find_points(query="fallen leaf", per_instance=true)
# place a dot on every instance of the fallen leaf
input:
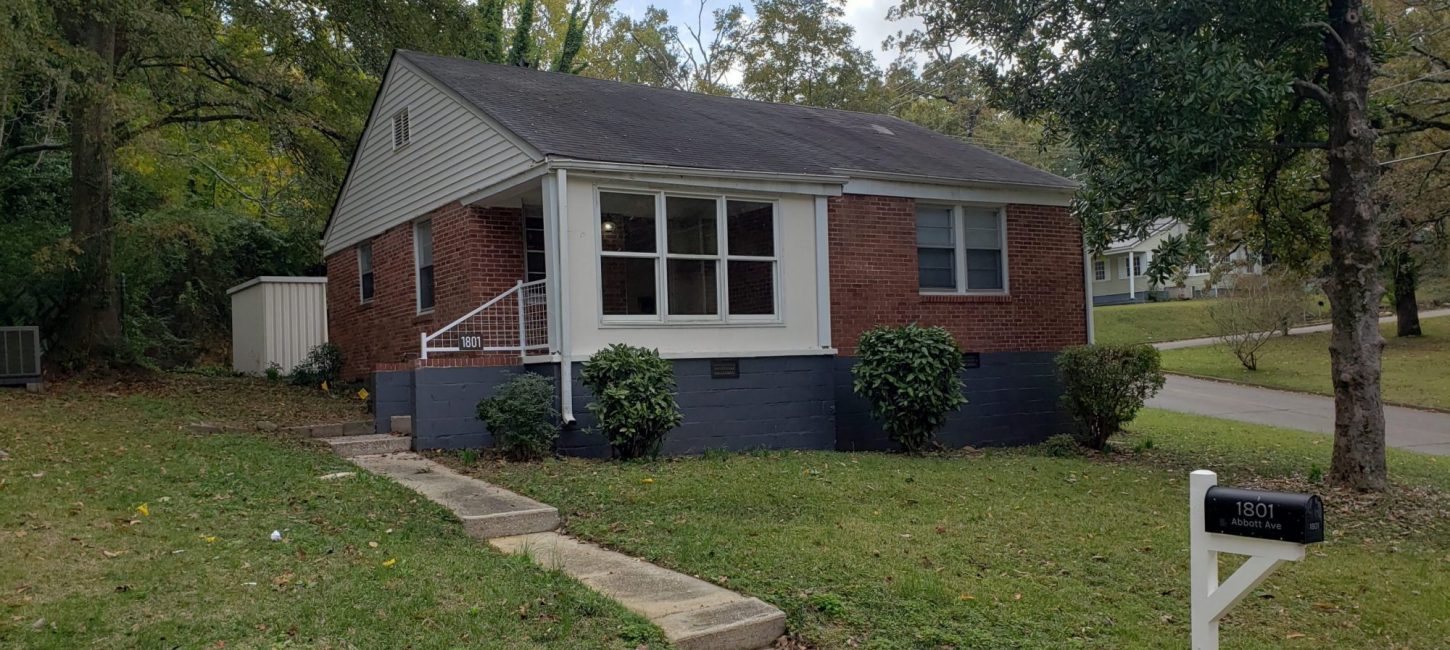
(390, 562)
(966, 597)
(372, 544)
(144, 509)
(1294, 635)
(647, 481)
(112, 554)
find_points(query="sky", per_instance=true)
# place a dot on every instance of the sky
(867, 16)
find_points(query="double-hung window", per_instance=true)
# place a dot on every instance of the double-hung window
(423, 255)
(961, 249)
(365, 271)
(711, 258)
(534, 259)
(1100, 270)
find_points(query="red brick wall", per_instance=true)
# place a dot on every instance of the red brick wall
(874, 279)
(477, 254)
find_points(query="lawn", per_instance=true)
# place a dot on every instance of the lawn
(1017, 548)
(364, 563)
(1152, 322)
(1414, 369)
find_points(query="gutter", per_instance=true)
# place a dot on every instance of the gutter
(955, 182)
(636, 168)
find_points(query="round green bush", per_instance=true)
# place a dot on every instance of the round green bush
(522, 418)
(634, 398)
(912, 377)
(1105, 386)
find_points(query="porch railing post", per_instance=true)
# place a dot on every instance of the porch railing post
(423, 344)
(523, 325)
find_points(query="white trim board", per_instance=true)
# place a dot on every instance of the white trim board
(961, 193)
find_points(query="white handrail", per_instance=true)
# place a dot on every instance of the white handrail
(519, 289)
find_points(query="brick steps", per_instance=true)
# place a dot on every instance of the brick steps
(694, 614)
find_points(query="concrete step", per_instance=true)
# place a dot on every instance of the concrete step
(486, 510)
(694, 614)
(335, 429)
(364, 445)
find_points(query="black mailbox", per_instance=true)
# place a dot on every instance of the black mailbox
(1284, 516)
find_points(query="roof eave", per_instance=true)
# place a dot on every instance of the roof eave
(560, 162)
(956, 182)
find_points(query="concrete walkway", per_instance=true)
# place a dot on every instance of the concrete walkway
(1307, 329)
(1423, 431)
(694, 614)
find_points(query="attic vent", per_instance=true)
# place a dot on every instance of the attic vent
(882, 129)
(401, 135)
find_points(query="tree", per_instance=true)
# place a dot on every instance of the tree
(1173, 102)
(802, 52)
(573, 43)
(117, 74)
(490, 31)
(523, 51)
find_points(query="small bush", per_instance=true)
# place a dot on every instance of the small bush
(1061, 445)
(634, 398)
(1105, 386)
(911, 376)
(274, 372)
(323, 364)
(522, 417)
(1258, 307)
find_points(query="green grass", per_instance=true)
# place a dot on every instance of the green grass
(1152, 322)
(83, 568)
(1014, 549)
(1414, 369)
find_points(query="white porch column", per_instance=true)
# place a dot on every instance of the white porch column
(556, 247)
(823, 274)
(1132, 291)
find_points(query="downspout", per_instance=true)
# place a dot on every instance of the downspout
(561, 239)
(1087, 289)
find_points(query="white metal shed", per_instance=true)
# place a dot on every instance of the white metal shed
(277, 319)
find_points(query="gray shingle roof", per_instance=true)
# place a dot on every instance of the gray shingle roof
(592, 119)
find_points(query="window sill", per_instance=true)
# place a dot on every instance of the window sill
(638, 324)
(423, 317)
(966, 297)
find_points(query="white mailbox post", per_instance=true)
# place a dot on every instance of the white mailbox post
(1270, 527)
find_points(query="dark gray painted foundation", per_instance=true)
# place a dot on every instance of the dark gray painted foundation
(803, 402)
(392, 395)
(1012, 399)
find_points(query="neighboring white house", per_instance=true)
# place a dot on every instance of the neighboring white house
(1120, 272)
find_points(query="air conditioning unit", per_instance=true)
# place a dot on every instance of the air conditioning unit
(19, 355)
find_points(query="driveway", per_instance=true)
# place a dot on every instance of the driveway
(1307, 329)
(1423, 431)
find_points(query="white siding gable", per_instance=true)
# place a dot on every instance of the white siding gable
(452, 151)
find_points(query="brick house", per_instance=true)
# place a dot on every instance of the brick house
(498, 220)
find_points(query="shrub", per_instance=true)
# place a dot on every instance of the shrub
(323, 364)
(1258, 306)
(1105, 386)
(1061, 445)
(274, 372)
(634, 398)
(911, 377)
(522, 417)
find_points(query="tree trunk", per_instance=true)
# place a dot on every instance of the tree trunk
(1407, 311)
(91, 325)
(1354, 287)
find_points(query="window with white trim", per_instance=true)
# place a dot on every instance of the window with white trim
(1136, 262)
(401, 128)
(365, 271)
(961, 249)
(1100, 270)
(423, 256)
(711, 258)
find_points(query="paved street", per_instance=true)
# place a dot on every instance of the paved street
(1412, 429)
(1308, 329)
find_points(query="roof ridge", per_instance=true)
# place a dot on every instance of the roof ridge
(692, 93)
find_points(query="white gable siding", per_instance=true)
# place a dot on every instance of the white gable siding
(452, 151)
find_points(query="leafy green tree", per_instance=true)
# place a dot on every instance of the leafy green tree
(802, 52)
(573, 43)
(490, 31)
(1172, 102)
(523, 51)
